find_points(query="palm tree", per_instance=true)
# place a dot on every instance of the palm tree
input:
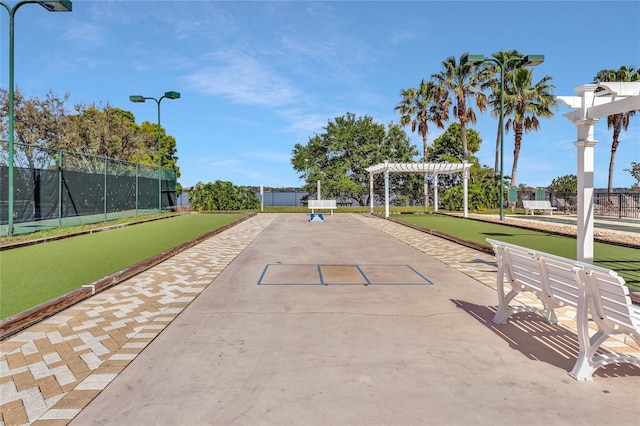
(464, 83)
(420, 106)
(524, 103)
(490, 75)
(619, 121)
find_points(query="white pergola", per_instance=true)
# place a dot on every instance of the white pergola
(435, 168)
(590, 106)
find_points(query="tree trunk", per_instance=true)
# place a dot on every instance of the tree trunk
(463, 136)
(516, 153)
(614, 148)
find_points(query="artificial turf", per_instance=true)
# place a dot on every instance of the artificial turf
(35, 274)
(624, 260)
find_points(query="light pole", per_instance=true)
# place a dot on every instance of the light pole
(51, 6)
(531, 60)
(139, 99)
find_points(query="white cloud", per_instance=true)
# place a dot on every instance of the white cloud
(242, 79)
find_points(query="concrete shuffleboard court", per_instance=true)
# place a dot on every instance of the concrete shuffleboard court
(244, 352)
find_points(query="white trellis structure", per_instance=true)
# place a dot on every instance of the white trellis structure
(435, 168)
(589, 106)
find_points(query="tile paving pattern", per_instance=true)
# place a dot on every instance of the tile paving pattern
(52, 370)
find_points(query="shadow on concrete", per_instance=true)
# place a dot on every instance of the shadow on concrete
(538, 340)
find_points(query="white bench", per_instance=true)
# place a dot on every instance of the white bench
(322, 204)
(531, 205)
(596, 293)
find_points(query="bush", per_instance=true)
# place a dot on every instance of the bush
(481, 197)
(222, 195)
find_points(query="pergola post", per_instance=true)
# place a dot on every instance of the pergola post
(585, 225)
(435, 192)
(617, 97)
(465, 187)
(386, 189)
(371, 192)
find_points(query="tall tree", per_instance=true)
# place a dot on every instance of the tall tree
(417, 108)
(38, 126)
(619, 121)
(464, 84)
(524, 103)
(338, 156)
(103, 132)
(490, 76)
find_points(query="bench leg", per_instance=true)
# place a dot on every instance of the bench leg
(504, 310)
(588, 362)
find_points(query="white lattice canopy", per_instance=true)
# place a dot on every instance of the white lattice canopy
(441, 168)
(434, 168)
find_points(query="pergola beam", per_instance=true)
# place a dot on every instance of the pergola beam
(435, 168)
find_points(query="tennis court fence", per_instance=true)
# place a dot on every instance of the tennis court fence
(53, 188)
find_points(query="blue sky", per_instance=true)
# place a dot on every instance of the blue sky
(258, 77)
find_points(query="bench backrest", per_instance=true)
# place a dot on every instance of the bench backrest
(554, 277)
(611, 298)
(562, 280)
(322, 204)
(536, 204)
(567, 281)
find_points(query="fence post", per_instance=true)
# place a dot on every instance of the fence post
(620, 205)
(105, 190)
(60, 156)
(137, 177)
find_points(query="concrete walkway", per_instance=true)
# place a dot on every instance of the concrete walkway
(241, 330)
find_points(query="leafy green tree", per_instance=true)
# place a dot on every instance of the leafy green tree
(461, 84)
(338, 156)
(221, 195)
(103, 131)
(148, 133)
(635, 172)
(524, 103)
(619, 121)
(38, 126)
(483, 186)
(565, 184)
(448, 148)
(42, 125)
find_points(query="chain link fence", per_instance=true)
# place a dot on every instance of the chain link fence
(53, 188)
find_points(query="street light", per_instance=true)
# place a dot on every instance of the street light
(531, 60)
(51, 6)
(140, 99)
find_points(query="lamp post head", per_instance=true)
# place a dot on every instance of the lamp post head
(172, 95)
(136, 98)
(56, 6)
(472, 59)
(533, 60)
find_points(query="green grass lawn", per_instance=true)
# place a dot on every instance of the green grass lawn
(625, 261)
(35, 274)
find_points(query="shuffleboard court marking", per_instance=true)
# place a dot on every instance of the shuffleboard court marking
(341, 274)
